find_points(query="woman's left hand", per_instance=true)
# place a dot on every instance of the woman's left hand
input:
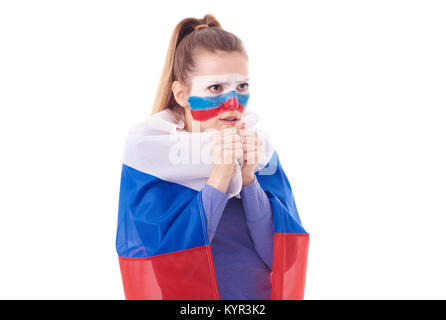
(252, 150)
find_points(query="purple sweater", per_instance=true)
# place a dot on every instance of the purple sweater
(241, 234)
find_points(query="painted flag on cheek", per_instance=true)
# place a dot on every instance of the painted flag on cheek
(205, 108)
(162, 239)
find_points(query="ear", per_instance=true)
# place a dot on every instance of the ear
(180, 93)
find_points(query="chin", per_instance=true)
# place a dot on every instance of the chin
(218, 124)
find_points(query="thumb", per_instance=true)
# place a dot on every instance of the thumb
(242, 126)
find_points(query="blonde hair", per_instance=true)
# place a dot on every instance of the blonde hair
(188, 36)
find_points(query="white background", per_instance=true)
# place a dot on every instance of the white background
(352, 93)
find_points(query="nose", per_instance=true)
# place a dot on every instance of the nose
(233, 104)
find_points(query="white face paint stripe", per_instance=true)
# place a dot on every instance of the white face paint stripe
(229, 80)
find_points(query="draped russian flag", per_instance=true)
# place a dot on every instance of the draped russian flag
(163, 247)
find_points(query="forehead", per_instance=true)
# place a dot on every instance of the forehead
(229, 78)
(219, 63)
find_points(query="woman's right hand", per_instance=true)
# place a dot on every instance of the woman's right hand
(226, 149)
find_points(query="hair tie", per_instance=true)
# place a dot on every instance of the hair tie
(201, 26)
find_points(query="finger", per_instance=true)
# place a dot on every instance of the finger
(229, 134)
(250, 139)
(238, 154)
(228, 130)
(231, 137)
(221, 136)
(247, 132)
(259, 143)
(250, 157)
(233, 146)
(226, 138)
(249, 147)
(241, 126)
(229, 155)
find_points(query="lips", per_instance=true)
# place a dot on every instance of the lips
(230, 118)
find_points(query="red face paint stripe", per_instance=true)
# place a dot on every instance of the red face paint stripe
(206, 114)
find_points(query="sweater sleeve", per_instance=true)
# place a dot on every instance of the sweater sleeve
(214, 203)
(259, 218)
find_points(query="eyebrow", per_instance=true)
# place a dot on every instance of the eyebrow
(226, 82)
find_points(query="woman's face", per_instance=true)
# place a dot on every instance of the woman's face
(217, 92)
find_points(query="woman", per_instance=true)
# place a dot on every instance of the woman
(206, 210)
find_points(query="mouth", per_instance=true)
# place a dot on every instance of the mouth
(230, 119)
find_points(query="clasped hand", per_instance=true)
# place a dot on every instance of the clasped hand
(231, 144)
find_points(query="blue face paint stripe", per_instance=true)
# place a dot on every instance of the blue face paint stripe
(200, 103)
(243, 99)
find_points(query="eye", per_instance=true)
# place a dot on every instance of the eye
(215, 88)
(243, 86)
